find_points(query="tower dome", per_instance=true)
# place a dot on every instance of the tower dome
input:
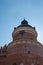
(24, 48)
(24, 22)
(26, 30)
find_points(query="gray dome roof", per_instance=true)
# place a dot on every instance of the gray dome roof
(24, 23)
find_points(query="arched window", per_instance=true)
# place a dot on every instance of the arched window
(21, 32)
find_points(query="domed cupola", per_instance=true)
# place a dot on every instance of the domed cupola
(24, 31)
(24, 22)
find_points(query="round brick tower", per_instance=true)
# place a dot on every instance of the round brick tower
(24, 49)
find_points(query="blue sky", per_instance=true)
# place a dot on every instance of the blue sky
(12, 12)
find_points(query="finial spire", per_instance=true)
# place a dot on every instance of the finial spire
(24, 22)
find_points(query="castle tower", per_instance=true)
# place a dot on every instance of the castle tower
(24, 48)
